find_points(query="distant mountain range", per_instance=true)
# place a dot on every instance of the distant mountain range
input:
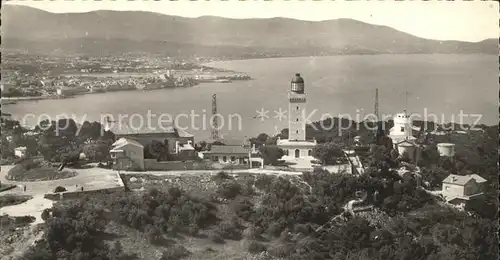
(119, 32)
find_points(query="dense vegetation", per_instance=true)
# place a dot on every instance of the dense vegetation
(77, 229)
(301, 217)
(60, 141)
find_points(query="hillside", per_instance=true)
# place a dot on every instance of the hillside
(116, 32)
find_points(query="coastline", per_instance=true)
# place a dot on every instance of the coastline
(5, 101)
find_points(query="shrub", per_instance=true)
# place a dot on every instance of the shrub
(5, 187)
(9, 200)
(243, 207)
(154, 235)
(216, 238)
(253, 233)
(229, 230)
(255, 247)
(209, 249)
(263, 182)
(24, 220)
(281, 250)
(221, 176)
(46, 214)
(167, 210)
(229, 190)
(59, 189)
(175, 253)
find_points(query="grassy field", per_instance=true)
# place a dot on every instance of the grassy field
(37, 170)
(5, 187)
(9, 200)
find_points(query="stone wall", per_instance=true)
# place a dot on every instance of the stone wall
(80, 194)
(153, 165)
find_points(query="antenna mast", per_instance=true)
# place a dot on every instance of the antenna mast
(376, 105)
(215, 122)
(406, 102)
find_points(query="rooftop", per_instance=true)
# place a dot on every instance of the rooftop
(462, 180)
(228, 149)
(286, 142)
(124, 141)
(128, 128)
(445, 144)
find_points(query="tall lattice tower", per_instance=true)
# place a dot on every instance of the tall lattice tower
(215, 121)
(376, 105)
(379, 126)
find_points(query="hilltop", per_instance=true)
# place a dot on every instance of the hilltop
(118, 32)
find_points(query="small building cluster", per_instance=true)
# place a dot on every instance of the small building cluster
(129, 151)
(233, 154)
(403, 139)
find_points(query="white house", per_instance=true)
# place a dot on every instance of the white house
(459, 189)
(127, 154)
(20, 152)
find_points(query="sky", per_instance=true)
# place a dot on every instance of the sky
(441, 20)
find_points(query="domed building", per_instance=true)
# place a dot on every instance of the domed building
(296, 147)
(402, 136)
(403, 129)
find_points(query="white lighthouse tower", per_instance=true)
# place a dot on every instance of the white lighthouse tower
(296, 147)
(296, 110)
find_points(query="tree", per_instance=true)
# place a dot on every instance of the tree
(430, 156)
(328, 153)
(70, 157)
(7, 148)
(90, 130)
(97, 151)
(66, 128)
(156, 150)
(260, 140)
(271, 154)
(201, 146)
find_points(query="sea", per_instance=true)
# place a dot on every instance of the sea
(436, 87)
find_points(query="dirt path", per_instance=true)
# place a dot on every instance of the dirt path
(33, 207)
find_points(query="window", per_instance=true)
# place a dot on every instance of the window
(297, 131)
(402, 129)
(215, 158)
(309, 153)
(224, 158)
(297, 120)
(233, 159)
(298, 108)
